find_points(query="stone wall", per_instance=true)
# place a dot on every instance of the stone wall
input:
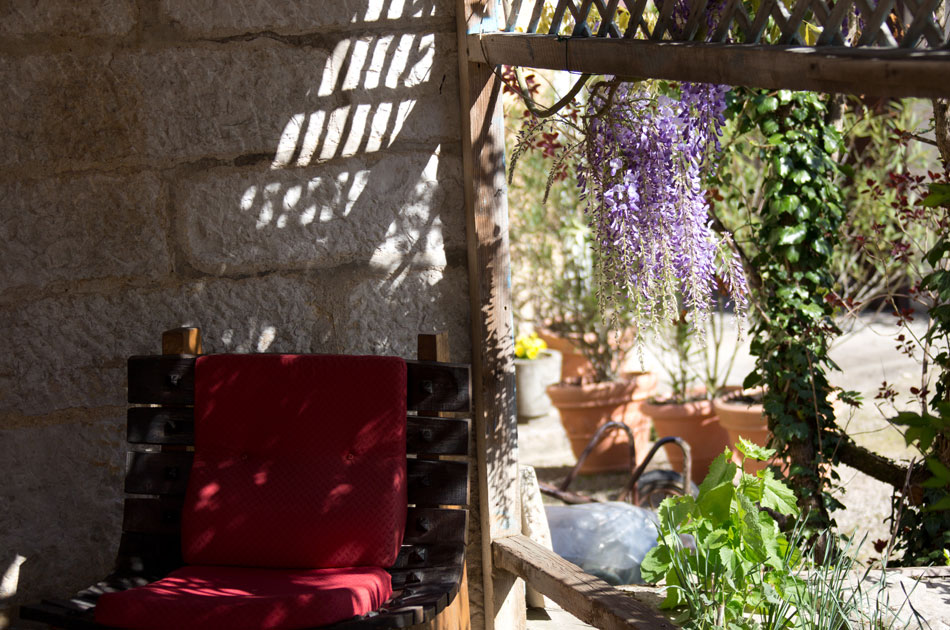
(285, 175)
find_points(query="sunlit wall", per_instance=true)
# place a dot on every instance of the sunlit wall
(285, 175)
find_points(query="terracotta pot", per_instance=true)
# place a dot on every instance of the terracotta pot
(532, 376)
(695, 423)
(742, 419)
(573, 363)
(584, 408)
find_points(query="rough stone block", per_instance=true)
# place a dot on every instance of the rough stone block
(70, 108)
(81, 227)
(21, 18)
(240, 99)
(383, 313)
(71, 349)
(227, 17)
(259, 98)
(61, 498)
(400, 209)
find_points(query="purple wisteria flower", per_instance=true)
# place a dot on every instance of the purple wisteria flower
(642, 181)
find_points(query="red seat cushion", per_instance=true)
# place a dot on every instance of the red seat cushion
(300, 461)
(231, 598)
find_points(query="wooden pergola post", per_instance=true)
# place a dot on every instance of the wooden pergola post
(483, 158)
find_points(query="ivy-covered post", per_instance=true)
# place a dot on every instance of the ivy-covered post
(798, 231)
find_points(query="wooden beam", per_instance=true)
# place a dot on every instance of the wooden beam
(493, 374)
(588, 598)
(871, 71)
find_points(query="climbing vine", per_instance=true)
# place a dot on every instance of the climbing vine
(794, 236)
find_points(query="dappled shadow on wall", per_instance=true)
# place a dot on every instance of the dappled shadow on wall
(363, 178)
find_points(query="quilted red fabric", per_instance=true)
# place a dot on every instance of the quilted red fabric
(300, 461)
(234, 598)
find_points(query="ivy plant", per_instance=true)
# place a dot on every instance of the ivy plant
(796, 234)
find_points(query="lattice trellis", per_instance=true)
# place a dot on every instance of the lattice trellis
(920, 24)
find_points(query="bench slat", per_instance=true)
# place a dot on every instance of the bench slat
(436, 525)
(430, 483)
(437, 436)
(415, 556)
(161, 425)
(158, 473)
(433, 483)
(175, 426)
(170, 380)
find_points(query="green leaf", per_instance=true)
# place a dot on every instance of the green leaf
(792, 234)
(721, 470)
(715, 504)
(655, 564)
(751, 380)
(783, 166)
(942, 504)
(767, 105)
(938, 469)
(939, 196)
(801, 177)
(776, 495)
(754, 451)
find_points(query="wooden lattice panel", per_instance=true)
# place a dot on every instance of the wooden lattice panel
(920, 24)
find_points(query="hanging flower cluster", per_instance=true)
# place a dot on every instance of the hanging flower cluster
(642, 180)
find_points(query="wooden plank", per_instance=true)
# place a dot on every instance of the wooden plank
(158, 473)
(153, 555)
(435, 525)
(181, 341)
(588, 598)
(161, 425)
(420, 556)
(425, 575)
(433, 483)
(870, 71)
(437, 436)
(438, 386)
(496, 426)
(161, 380)
(170, 380)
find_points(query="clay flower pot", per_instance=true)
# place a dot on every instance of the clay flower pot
(573, 363)
(741, 416)
(696, 423)
(584, 408)
(532, 376)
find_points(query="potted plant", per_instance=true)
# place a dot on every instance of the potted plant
(695, 375)
(536, 367)
(601, 391)
(742, 415)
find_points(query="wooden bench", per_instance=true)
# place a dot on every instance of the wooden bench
(429, 568)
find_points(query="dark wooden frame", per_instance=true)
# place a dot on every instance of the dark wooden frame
(430, 565)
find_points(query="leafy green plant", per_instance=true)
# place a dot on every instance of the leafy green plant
(922, 520)
(739, 571)
(787, 252)
(741, 558)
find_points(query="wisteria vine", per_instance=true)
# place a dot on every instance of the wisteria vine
(642, 178)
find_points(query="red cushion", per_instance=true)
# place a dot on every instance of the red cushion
(231, 598)
(300, 461)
